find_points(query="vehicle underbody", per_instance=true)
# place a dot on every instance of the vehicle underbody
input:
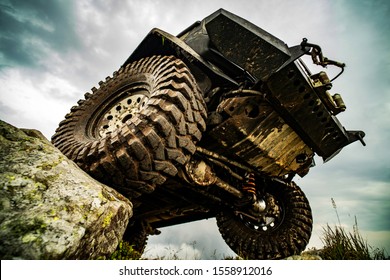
(213, 122)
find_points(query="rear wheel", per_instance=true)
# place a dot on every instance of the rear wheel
(138, 127)
(282, 229)
(137, 235)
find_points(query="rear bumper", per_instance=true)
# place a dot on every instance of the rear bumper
(293, 95)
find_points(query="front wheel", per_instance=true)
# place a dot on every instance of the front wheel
(138, 127)
(283, 229)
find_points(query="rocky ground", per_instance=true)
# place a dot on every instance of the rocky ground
(307, 255)
(49, 208)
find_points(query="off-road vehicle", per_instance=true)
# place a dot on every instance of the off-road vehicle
(213, 122)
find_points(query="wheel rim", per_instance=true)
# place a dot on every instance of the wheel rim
(119, 108)
(265, 221)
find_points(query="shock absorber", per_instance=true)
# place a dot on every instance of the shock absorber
(249, 185)
(256, 205)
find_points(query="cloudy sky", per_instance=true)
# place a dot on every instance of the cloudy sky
(52, 52)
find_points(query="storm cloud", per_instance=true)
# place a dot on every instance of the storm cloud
(29, 29)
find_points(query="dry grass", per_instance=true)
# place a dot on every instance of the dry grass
(342, 245)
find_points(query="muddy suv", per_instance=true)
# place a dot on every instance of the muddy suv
(213, 122)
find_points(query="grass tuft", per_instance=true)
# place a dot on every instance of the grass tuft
(342, 245)
(125, 251)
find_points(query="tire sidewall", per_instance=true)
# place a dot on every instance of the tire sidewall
(288, 234)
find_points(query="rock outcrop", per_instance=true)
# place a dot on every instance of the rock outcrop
(51, 209)
(306, 255)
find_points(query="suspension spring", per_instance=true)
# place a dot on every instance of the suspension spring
(250, 184)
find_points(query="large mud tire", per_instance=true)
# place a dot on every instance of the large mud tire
(137, 127)
(288, 236)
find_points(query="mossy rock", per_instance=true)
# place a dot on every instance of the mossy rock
(50, 208)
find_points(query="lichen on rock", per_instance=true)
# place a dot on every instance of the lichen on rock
(51, 209)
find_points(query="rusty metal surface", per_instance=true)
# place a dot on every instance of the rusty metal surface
(300, 104)
(200, 172)
(257, 134)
